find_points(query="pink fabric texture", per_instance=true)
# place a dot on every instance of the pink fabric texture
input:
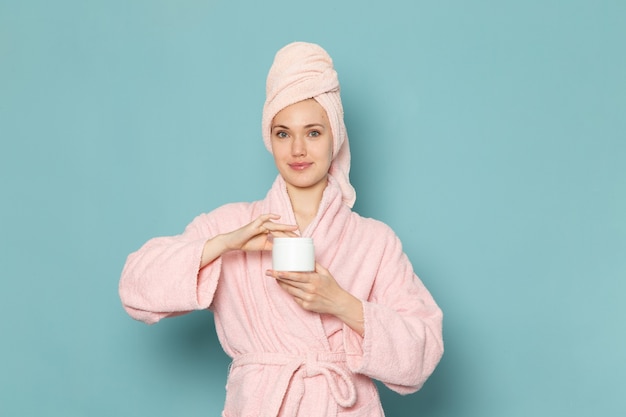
(287, 361)
(302, 71)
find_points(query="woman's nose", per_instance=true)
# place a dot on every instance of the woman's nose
(298, 146)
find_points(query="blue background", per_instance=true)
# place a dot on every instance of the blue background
(489, 134)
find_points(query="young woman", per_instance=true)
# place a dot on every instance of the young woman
(302, 343)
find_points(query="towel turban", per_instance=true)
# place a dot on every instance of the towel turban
(302, 71)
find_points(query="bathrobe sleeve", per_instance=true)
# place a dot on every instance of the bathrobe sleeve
(403, 340)
(163, 278)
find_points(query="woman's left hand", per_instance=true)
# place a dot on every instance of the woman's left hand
(319, 292)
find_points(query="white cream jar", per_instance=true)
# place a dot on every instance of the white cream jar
(296, 254)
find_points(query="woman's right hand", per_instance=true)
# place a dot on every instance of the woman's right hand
(256, 235)
(251, 237)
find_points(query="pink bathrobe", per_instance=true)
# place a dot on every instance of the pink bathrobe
(288, 361)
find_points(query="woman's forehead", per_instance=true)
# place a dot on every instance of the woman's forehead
(302, 113)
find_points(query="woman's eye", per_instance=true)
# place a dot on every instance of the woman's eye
(281, 135)
(314, 133)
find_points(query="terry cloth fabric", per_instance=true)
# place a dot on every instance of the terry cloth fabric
(288, 361)
(302, 71)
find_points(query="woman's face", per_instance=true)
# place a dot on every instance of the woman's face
(302, 144)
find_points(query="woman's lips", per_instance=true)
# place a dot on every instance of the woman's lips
(300, 166)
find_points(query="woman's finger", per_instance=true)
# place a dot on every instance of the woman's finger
(279, 227)
(280, 233)
(321, 270)
(294, 290)
(302, 277)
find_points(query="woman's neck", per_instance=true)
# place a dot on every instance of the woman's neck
(305, 203)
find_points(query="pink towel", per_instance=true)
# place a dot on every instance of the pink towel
(301, 71)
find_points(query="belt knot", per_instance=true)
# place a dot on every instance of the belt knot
(294, 369)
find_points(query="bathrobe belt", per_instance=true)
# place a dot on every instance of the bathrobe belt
(291, 379)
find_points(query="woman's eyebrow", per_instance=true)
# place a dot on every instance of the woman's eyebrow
(309, 126)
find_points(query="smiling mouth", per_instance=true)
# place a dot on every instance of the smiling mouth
(300, 166)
